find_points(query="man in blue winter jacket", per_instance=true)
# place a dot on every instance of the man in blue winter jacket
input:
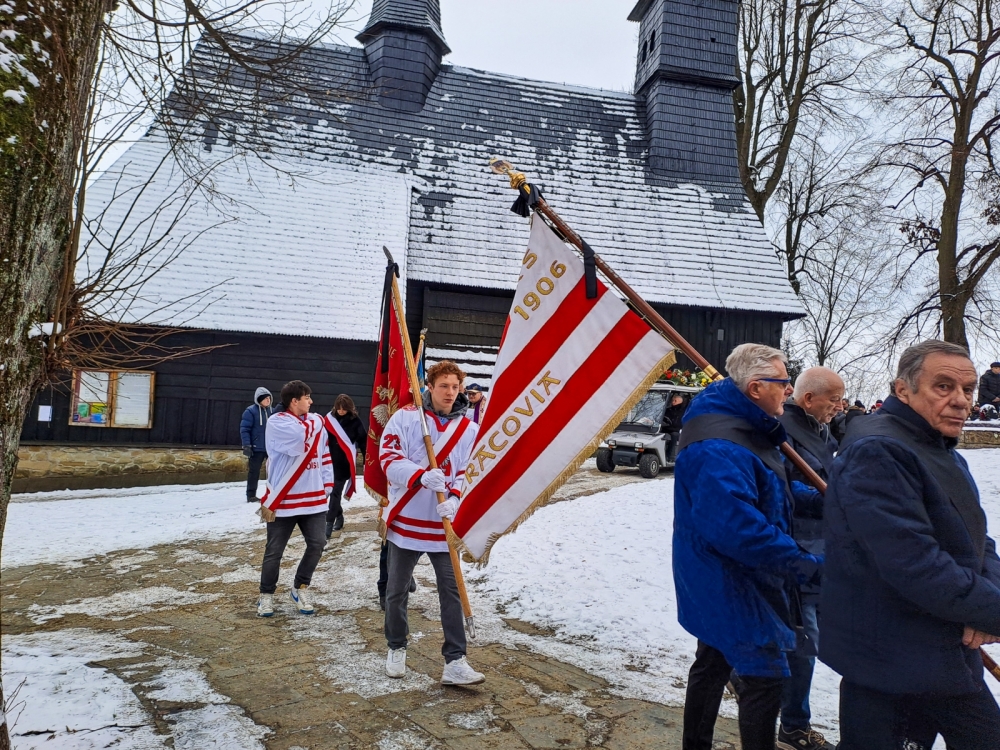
(734, 560)
(252, 428)
(911, 587)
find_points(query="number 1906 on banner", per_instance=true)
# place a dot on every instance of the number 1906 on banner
(544, 285)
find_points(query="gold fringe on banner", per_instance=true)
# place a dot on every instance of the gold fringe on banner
(662, 366)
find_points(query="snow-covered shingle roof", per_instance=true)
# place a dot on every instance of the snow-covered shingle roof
(263, 247)
(675, 242)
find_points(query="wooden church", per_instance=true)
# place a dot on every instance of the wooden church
(275, 258)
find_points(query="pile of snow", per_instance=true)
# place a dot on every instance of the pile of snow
(61, 699)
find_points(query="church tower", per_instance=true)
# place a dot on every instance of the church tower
(404, 45)
(686, 73)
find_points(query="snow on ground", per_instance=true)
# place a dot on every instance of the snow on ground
(48, 527)
(595, 570)
(61, 699)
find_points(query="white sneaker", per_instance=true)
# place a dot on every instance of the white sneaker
(265, 605)
(395, 662)
(301, 599)
(459, 672)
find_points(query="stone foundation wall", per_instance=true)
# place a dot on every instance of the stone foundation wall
(978, 438)
(52, 467)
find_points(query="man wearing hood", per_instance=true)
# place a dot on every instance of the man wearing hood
(734, 561)
(806, 418)
(413, 519)
(252, 428)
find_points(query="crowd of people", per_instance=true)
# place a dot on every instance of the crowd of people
(313, 464)
(804, 527)
(891, 578)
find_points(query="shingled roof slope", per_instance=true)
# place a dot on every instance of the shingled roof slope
(260, 247)
(675, 242)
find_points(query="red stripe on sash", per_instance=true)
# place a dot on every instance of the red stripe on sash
(564, 405)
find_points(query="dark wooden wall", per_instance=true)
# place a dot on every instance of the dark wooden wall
(199, 400)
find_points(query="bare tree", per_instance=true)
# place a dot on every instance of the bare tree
(797, 60)
(944, 94)
(75, 79)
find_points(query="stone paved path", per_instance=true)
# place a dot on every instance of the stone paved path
(318, 682)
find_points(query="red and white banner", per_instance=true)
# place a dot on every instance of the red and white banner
(390, 392)
(568, 370)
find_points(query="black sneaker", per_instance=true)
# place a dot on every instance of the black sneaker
(802, 739)
(381, 603)
(252, 499)
(413, 584)
(339, 523)
(329, 529)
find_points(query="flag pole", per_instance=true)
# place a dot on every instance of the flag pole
(418, 401)
(520, 183)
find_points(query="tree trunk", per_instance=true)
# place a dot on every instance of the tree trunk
(41, 130)
(950, 289)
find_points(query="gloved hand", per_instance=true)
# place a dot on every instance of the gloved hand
(448, 508)
(248, 451)
(434, 480)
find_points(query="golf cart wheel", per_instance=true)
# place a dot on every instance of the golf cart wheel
(649, 465)
(604, 461)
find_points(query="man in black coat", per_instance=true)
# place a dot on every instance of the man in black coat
(806, 418)
(911, 586)
(989, 386)
(673, 415)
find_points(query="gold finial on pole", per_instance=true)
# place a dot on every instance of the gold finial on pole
(517, 179)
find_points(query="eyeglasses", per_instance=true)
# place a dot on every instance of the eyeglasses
(784, 381)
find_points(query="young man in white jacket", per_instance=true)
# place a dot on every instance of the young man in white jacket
(413, 518)
(300, 477)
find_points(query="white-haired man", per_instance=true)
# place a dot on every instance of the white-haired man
(806, 418)
(732, 552)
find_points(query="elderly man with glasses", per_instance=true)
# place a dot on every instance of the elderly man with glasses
(734, 560)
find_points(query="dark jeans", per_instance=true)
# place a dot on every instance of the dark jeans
(313, 528)
(335, 508)
(872, 720)
(401, 564)
(760, 699)
(254, 463)
(795, 713)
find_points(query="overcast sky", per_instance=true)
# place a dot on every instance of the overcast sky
(584, 42)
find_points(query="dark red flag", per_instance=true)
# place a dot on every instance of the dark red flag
(390, 392)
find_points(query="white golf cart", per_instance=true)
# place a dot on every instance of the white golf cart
(640, 439)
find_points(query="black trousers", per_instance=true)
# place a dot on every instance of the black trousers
(872, 720)
(313, 528)
(256, 460)
(760, 700)
(336, 508)
(383, 568)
